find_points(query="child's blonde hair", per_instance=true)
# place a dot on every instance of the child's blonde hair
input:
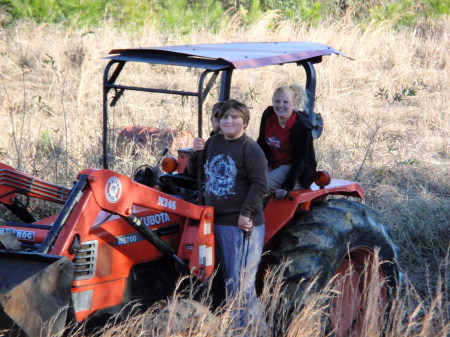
(299, 95)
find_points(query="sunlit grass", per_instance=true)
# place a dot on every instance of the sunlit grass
(184, 314)
(395, 144)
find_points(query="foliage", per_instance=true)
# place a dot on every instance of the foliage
(183, 15)
(409, 12)
(400, 95)
(297, 10)
(134, 13)
(78, 13)
(252, 12)
(40, 10)
(179, 16)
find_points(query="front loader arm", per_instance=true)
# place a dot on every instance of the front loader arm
(13, 182)
(54, 265)
(105, 190)
(118, 194)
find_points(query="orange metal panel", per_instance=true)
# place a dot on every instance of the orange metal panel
(78, 223)
(104, 295)
(278, 213)
(12, 180)
(118, 193)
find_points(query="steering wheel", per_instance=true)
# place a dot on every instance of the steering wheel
(179, 184)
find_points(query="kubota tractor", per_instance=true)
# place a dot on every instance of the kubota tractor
(118, 239)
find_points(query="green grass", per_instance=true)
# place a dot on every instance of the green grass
(184, 15)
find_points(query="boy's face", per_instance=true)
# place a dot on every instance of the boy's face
(232, 124)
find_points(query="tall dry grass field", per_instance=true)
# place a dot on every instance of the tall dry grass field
(385, 110)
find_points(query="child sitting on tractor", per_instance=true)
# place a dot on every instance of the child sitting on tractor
(286, 139)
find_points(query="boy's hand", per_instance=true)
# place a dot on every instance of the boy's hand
(198, 144)
(245, 223)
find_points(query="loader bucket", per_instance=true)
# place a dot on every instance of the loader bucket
(34, 292)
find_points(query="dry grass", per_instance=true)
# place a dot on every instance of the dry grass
(181, 315)
(395, 145)
(51, 84)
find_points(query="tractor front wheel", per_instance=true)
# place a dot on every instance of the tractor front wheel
(338, 239)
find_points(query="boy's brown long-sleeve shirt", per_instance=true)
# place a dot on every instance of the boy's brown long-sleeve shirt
(235, 178)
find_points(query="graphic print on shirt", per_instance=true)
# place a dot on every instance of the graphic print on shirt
(274, 142)
(220, 172)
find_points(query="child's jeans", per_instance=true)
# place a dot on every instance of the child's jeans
(240, 257)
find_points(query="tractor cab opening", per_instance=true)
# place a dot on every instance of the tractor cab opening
(210, 68)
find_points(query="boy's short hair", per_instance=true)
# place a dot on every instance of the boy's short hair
(241, 108)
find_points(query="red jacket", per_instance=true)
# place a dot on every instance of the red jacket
(304, 163)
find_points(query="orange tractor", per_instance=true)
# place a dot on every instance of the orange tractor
(118, 239)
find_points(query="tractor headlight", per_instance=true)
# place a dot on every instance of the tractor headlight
(322, 178)
(169, 164)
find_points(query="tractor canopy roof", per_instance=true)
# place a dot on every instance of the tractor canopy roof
(227, 55)
(212, 60)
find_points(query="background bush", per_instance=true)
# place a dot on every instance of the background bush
(184, 15)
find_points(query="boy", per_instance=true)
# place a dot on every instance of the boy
(235, 176)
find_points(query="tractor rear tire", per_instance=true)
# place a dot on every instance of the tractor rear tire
(335, 239)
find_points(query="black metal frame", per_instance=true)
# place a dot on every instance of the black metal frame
(214, 67)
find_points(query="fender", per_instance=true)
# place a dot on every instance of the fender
(279, 212)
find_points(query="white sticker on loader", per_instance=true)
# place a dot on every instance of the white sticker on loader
(113, 189)
(205, 256)
(201, 255)
(207, 228)
(208, 258)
